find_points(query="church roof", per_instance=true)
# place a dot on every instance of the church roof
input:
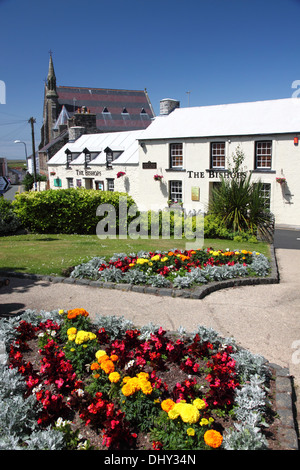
(115, 110)
(62, 118)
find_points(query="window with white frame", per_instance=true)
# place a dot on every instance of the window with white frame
(175, 191)
(176, 156)
(217, 155)
(266, 194)
(263, 155)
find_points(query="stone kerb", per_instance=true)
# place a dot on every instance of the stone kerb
(194, 293)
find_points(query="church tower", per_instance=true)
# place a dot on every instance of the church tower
(51, 105)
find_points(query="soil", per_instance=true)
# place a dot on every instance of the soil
(171, 376)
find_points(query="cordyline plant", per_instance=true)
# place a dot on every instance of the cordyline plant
(239, 202)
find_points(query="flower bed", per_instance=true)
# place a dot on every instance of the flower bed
(71, 383)
(177, 269)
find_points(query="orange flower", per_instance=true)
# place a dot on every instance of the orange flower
(213, 438)
(114, 357)
(96, 376)
(170, 253)
(167, 405)
(103, 358)
(107, 366)
(75, 312)
(95, 366)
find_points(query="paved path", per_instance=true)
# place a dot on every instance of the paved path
(264, 319)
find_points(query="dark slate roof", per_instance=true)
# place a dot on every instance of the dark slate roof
(115, 110)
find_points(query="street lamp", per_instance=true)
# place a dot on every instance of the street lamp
(21, 142)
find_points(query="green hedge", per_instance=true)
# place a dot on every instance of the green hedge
(64, 210)
(9, 222)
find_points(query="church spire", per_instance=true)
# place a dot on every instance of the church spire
(51, 79)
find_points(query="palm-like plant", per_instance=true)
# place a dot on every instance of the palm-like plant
(239, 203)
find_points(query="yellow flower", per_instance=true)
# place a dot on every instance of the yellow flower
(204, 422)
(71, 334)
(114, 377)
(72, 331)
(173, 413)
(199, 404)
(142, 261)
(190, 432)
(83, 336)
(143, 375)
(146, 387)
(61, 312)
(72, 349)
(100, 353)
(165, 258)
(128, 390)
(189, 414)
(155, 258)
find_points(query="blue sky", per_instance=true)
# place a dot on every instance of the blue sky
(222, 51)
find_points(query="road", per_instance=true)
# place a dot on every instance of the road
(10, 194)
(287, 239)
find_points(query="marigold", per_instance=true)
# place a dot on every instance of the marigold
(114, 377)
(83, 336)
(173, 413)
(95, 366)
(100, 355)
(71, 334)
(143, 375)
(75, 312)
(146, 387)
(128, 389)
(167, 405)
(107, 366)
(114, 357)
(213, 438)
(189, 414)
(199, 404)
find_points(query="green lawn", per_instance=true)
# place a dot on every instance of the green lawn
(50, 254)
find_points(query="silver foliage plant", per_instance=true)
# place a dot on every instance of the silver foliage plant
(18, 415)
(260, 266)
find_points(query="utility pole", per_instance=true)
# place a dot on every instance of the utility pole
(32, 121)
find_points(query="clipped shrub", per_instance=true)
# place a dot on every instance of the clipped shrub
(65, 210)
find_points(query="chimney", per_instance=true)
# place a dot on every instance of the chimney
(75, 132)
(84, 118)
(168, 105)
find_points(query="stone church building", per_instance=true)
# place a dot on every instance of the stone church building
(83, 110)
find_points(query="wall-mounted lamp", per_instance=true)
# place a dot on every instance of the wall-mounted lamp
(296, 140)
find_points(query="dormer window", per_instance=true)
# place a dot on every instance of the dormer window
(105, 110)
(69, 157)
(109, 157)
(87, 157)
(143, 111)
(125, 111)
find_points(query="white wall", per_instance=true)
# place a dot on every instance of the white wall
(285, 200)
